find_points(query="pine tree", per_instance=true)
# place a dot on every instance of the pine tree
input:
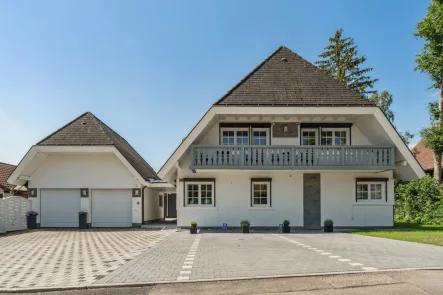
(342, 61)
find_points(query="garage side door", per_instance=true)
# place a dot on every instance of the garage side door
(111, 208)
(59, 207)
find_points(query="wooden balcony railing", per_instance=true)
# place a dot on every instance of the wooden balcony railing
(292, 157)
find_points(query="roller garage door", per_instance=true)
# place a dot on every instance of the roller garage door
(111, 208)
(59, 207)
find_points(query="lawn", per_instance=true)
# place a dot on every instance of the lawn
(426, 234)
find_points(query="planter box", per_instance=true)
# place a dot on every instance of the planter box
(32, 221)
(329, 229)
(82, 224)
(193, 230)
(286, 229)
(245, 229)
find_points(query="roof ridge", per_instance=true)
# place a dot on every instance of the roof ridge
(99, 124)
(249, 74)
(63, 127)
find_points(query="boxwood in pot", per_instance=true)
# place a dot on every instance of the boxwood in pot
(193, 227)
(286, 227)
(245, 226)
(328, 225)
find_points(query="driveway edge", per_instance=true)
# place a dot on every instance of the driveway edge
(146, 284)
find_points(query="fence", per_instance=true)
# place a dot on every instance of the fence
(13, 213)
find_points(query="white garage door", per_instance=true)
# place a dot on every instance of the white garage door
(59, 207)
(111, 208)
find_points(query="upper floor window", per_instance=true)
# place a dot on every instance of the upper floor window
(334, 137)
(260, 136)
(309, 137)
(234, 136)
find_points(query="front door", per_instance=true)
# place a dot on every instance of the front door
(170, 206)
(311, 201)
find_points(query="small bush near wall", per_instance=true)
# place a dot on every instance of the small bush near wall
(419, 201)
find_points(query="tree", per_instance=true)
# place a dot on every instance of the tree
(433, 137)
(430, 61)
(383, 101)
(341, 60)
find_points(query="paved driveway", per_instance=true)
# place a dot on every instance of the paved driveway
(74, 258)
(47, 258)
(185, 257)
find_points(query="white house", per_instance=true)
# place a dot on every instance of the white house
(289, 142)
(86, 166)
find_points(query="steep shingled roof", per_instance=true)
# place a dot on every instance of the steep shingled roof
(87, 129)
(5, 171)
(285, 78)
(424, 156)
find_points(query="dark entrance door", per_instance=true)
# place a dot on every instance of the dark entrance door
(311, 201)
(170, 206)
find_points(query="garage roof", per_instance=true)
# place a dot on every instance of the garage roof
(88, 130)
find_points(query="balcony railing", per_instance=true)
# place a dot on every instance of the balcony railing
(292, 157)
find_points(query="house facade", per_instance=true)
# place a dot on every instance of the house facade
(85, 166)
(289, 142)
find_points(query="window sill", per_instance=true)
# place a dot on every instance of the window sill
(372, 204)
(198, 208)
(261, 209)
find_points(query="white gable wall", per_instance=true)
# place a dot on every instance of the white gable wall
(104, 171)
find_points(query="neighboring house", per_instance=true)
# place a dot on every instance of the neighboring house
(86, 166)
(6, 189)
(289, 142)
(425, 157)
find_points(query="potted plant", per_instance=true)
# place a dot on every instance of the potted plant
(329, 225)
(31, 217)
(245, 226)
(193, 227)
(286, 227)
(82, 219)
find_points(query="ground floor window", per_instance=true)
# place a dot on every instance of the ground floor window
(261, 193)
(370, 191)
(199, 194)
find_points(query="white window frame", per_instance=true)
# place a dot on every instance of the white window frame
(333, 135)
(370, 200)
(261, 130)
(235, 134)
(187, 183)
(268, 194)
(315, 130)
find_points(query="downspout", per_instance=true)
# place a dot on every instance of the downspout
(143, 204)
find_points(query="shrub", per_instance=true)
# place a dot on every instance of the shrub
(286, 222)
(245, 223)
(193, 224)
(419, 201)
(328, 223)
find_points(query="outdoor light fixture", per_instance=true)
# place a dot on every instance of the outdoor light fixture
(84, 192)
(32, 192)
(136, 192)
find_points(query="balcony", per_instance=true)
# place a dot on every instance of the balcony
(292, 157)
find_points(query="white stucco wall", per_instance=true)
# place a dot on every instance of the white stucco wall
(152, 209)
(104, 171)
(232, 192)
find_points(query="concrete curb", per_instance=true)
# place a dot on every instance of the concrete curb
(146, 284)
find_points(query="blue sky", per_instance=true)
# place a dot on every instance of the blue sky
(151, 69)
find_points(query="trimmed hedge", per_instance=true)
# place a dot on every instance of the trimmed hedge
(419, 201)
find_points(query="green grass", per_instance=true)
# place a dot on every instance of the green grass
(425, 234)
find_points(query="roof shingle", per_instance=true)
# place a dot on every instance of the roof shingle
(87, 129)
(424, 156)
(285, 78)
(5, 171)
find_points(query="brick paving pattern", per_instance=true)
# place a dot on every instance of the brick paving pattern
(47, 258)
